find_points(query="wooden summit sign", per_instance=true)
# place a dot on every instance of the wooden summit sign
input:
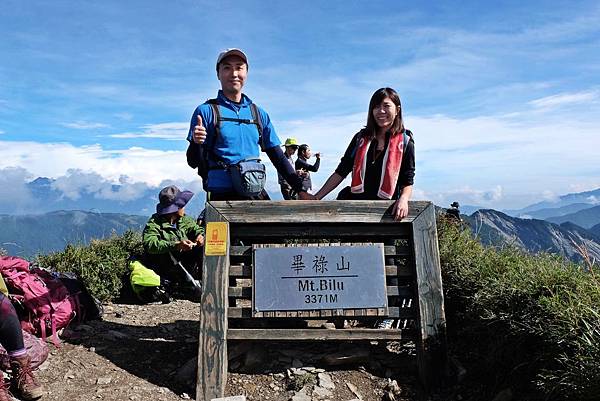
(258, 287)
(318, 276)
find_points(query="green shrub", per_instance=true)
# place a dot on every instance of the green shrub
(101, 265)
(518, 320)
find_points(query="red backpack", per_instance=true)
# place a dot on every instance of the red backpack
(45, 303)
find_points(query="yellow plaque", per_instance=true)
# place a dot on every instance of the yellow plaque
(216, 239)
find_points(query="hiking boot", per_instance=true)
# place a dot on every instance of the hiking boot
(4, 393)
(24, 383)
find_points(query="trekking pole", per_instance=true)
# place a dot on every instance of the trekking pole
(188, 278)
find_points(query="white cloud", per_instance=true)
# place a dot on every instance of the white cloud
(170, 131)
(56, 159)
(464, 195)
(75, 182)
(550, 196)
(593, 199)
(496, 161)
(84, 125)
(14, 195)
(563, 99)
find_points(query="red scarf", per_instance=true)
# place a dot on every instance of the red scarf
(392, 159)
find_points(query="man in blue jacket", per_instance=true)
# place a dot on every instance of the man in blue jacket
(235, 134)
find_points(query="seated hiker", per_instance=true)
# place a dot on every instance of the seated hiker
(23, 382)
(302, 164)
(173, 241)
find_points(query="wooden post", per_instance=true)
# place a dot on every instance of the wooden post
(431, 346)
(212, 350)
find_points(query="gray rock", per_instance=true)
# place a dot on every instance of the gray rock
(301, 396)
(297, 363)
(325, 381)
(354, 390)
(233, 398)
(321, 392)
(103, 380)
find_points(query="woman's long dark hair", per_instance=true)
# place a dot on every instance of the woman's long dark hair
(378, 97)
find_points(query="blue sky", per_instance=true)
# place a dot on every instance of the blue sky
(503, 97)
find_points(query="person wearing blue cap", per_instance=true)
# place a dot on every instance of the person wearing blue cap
(230, 130)
(171, 234)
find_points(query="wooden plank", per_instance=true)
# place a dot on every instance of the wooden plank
(315, 211)
(431, 347)
(240, 292)
(393, 311)
(404, 291)
(212, 350)
(309, 231)
(389, 250)
(240, 271)
(320, 334)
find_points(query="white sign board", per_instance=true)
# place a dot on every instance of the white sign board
(319, 277)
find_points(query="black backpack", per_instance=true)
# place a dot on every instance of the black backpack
(198, 155)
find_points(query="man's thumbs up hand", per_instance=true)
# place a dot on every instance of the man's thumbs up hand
(199, 131)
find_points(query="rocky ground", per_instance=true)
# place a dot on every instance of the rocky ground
(148, 352)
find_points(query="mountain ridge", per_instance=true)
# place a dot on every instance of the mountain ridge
(27, 235)
(497, 228)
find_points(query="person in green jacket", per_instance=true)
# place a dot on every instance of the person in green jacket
(170, 236)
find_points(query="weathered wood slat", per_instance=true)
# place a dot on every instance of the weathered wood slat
(314, 211)
(390, 250)
(395, 312)
(255, 232)
(404, 291)
(212, 351)
(431, 347)
(321, 334)
(240, 292)
(241, 271)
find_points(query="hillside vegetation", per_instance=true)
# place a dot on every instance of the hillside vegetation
(521, 321)
(515, 320)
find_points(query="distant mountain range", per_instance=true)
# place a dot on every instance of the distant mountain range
(573, 218)
(497, 228)
(589, 197)
(556, 212)
(586, 218)
(28, 235)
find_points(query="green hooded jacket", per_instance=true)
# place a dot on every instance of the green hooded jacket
(160, 236)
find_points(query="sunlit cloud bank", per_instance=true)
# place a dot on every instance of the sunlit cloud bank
(53, 160)
(491, 161)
